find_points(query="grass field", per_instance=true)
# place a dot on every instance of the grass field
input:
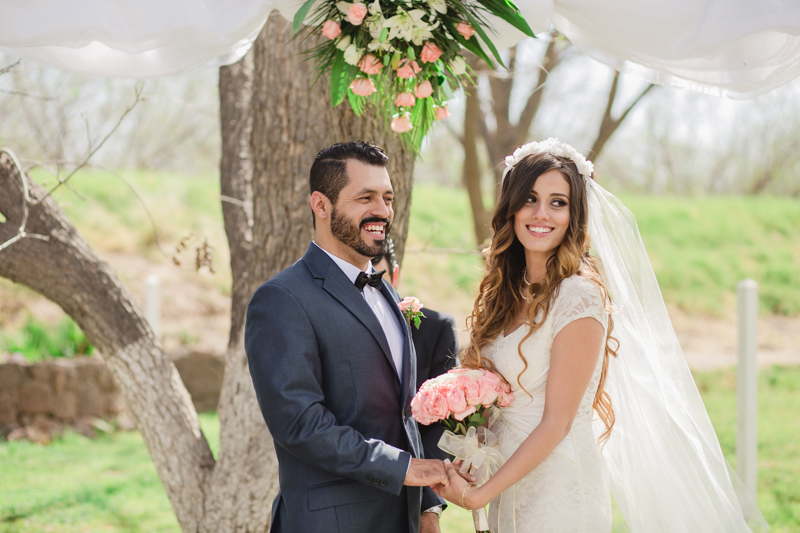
(109, 484)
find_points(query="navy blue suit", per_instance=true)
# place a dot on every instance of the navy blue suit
(436, 346)
(336, 408)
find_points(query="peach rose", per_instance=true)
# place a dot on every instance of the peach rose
(370, 64)
(472, 391)
(331, 29)
(437, 406)
(419, 407)
(465, 29)
(356, 13)
(423, 90)
(362, 87)
(456, 401)
(407, 69)
(401, 123)
(409, 302)
(430, 52)
(442, 112)
(489, 387)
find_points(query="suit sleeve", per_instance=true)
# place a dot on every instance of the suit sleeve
(442, 360)
(444, 354)
(284, 361)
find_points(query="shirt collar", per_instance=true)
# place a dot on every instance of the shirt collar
(349, 269)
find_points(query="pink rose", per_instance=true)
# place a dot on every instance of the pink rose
(405, 100)
(442, 112)
(438, 407)
(423, 90)
(356, 13)
(505, 396)
(419, 407)
(465, 29)
(489, 387)
(430, 52)
(407, 69)
(331, 29)
(456, 400)
(362, 87)
(465, 413)
(370, 64)
(409, 302)
(472, 391)
(401, 123)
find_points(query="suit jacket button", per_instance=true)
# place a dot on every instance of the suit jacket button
(369, 479)
(383, 483)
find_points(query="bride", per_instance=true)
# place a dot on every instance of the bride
(578, 335)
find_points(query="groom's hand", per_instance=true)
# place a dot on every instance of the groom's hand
(425, 473)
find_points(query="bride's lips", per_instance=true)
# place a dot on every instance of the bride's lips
(539, 231)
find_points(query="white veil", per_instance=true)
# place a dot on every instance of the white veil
(666, 469)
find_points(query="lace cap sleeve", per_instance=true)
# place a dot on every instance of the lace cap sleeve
(578, 297)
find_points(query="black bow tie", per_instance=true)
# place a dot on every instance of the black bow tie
(373, 280)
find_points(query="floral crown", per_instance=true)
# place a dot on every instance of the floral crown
(554, 147)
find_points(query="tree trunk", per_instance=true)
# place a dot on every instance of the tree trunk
(64, 269)
(273, 125)
(471, 171)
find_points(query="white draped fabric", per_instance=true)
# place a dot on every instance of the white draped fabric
(733, 47)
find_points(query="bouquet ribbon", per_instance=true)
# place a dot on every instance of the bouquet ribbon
(479, 451)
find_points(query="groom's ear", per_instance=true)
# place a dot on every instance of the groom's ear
(320, 205)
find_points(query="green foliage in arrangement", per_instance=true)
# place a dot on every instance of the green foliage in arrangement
(36, 340)
(110, 484)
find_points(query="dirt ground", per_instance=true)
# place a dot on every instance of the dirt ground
(195, 316)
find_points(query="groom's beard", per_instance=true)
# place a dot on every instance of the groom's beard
(349, 233)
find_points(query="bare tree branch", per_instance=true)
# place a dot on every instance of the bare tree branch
(21, 232)
(609, 124)
(138, 92)
(10, 67)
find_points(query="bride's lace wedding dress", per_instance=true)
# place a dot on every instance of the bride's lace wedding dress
(567, 492)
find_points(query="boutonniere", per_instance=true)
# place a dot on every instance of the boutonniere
(412, 310)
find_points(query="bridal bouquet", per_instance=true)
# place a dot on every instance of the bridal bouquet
(402, 55)
(459, 400)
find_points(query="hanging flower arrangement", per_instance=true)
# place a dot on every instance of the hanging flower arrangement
(402, 55)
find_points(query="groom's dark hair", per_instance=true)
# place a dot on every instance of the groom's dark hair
(329, 171)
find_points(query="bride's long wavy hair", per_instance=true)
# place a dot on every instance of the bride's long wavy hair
(499, 295)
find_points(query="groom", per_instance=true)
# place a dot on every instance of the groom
(334, 368)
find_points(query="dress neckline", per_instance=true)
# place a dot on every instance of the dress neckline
(505, 336)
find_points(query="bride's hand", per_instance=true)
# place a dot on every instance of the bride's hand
(457, 464)
(455, 487)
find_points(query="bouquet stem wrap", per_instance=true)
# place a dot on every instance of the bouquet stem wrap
(479, 451)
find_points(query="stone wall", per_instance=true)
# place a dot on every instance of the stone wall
(38, 399)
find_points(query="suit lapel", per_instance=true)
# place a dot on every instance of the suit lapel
(409, 374)
(335, 282)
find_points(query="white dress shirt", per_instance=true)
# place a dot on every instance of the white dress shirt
(381, 307)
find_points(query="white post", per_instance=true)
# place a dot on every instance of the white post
(152, 303)
(747, 389)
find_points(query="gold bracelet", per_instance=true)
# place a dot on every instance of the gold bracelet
(464, 497)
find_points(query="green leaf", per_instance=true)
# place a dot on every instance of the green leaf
(340, 79)
(470, 44)
(300, 16)
(417, 322)
(356, 102)
(479, 30)
(508, 11)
